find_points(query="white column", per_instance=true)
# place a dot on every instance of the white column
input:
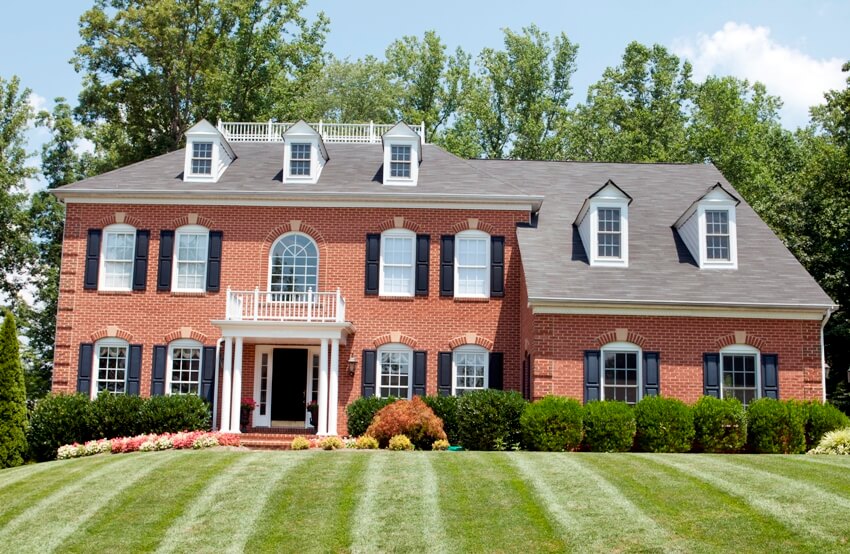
(323, 389)
(225, 385)
(333, 393)
(236, 403)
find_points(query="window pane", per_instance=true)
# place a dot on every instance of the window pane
(394, 374)
(470, 369)
(202, 158)
(620, 376)
(185, 370)
(717, 234)
(739, 377)
(397, 256)
(191, 254)
(295, 265)
(111, 369)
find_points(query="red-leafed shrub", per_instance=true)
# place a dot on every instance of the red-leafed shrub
(412, 418)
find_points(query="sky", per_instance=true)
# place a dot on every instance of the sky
(796, 48)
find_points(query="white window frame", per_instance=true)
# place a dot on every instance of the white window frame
(107, 343)
(308, 159)
(414, 146)
(189, 230)
(271, 257)
(472, 235)
(624, 347)
(192, 158)
(183, 343)
(470, 349)
(394, 348)
(717, 206)
(395, 234)
(616, 261)
(115, 229)
(742, 350)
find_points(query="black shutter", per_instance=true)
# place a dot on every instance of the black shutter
(447, 265)
(497, 266)
(423, 256)
(84, 368)
(214, 262)
(651, 374)
(373, 258)
(370, 359)
(711, 374)
(140, 261)
(134, 369)
(591, 376)
(92, 258)
(495, 378)
(208, 373)
(444, 374)
(158, 375)
(420, 370)
(166, 255)
(770, 376)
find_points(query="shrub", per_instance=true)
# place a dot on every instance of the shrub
(58, 420)
(609, 426)
(118, 415)
(171, 414)
(820, 419)
(552, 424)
(361, 411)
(663, 425)
(13, 397)
(720, 425)
(365, 442)
(440, 445)
(775, 427)
(489, 419)
(400, 442)
(412, 418)
(445, 407)
(300, 443)
(332, 443)
(834, 442)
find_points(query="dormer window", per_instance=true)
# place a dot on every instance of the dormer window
(402, 155)
(208, 154)
(400, 161)
(708, 229)
(609, 233)
(202, 154)
(304, 156)
(299, 160)
(717, 235)
(603, 224)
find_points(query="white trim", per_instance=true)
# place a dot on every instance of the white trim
(626, 347)
(259, 350)
(717, 206)
(398, 234)
(609, 261)
(107, 342)
(746, 350)
(394, 347)
(115, 229)
(473, 349)
(183, 343)
(188, 230)
(271, 330)
(472, 235)
(568, 306)
(275, 243)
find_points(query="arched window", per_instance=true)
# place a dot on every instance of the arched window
(621, 372)
(119, 247)
(472, 264)
(184, 367)
(469, 369)
(739, 374)
(110, 366)
(191, 250)
(293, 265)
(395, 363)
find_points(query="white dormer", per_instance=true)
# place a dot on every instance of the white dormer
(304, 154)
(402, 155)
(603, 224)
(709, 230)
(208, 154)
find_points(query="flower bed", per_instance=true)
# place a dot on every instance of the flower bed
(148, 443)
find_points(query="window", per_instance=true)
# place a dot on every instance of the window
(717, 235)
(609, 234)
(470, 367)
(397, 263)
(202, 158)
(400, 161)
(184, 367)
(394, 365)
(190, 257)
(294, 266)
(739, 374)
(472, 264)
(299, 160)
(119, 246)
(111, 366)
(621, 372)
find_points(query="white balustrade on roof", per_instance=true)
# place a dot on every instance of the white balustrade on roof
(272, 131)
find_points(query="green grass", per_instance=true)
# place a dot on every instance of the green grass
(242, 501)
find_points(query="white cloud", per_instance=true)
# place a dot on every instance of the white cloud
(84, 146)
(37, 102)
(749, 52)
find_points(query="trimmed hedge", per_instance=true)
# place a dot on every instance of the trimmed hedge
(821, 419)
(489, 419)
(663, 425)
(552, 424)
(120, 415)
(609, 426)
(171, 414)
(445, 407)
(776, 427)
(56, 420)
(720, 425)
(361, 411)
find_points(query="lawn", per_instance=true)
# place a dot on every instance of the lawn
(234, 501)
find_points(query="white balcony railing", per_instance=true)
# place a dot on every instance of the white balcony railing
(257, 305)
(271, 131)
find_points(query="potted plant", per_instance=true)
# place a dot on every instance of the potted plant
(248, 405)
(313, 408)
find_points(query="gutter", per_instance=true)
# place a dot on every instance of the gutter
(826, 317)
(553, 301)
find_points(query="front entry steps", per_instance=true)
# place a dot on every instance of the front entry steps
(273, 439)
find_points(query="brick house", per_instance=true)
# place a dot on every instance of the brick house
(294, 264)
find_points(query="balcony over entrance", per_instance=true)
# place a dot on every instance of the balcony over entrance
(257, 305)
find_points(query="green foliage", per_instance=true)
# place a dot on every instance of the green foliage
(13, 397)
(332, 443)
(411, 418)
(720, 425)
(776, 427)
(663, 425)
(56, 420)
(361, 411)
(834, 442)
(171, 414)
(399, 443)
(118, 415)
(440, 445)
(300, 443)
(445, 407)
(609, 426)
(365, 442)
(489, 419)
(552, 424)
(820, 419)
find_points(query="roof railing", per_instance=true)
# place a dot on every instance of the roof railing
(272, 131)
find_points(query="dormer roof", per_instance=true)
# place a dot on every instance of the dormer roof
(403, 131)
(204, 129)
(303, 130)
(714, 193)
(608, 191)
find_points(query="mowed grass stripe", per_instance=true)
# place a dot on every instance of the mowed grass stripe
(583, 503)
(826, 459)
(71, 506)
(125, 523)
(311, 510)
(488, 505)
(832, 478)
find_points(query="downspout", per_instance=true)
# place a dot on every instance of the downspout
(215, 385)
(823, 353)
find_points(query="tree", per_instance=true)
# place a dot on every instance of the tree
(349, 92)
(13, 407)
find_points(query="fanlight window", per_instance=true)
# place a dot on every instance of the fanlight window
(294, 267)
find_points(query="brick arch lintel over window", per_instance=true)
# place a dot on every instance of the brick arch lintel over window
(740, 337)
(294, 226)
(112, 331)
(193, 219)
(399, 222)
(395, 337)
(185, 333)
(620, 334)
(473, 224)
(119, 217)
(471, 338)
